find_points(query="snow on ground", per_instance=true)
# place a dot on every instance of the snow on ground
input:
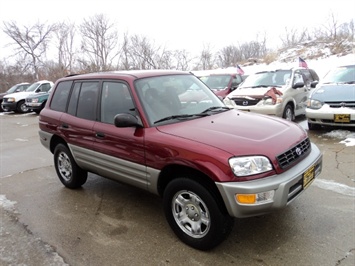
(347, 137)
(7, 204)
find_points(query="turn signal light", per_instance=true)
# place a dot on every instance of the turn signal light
(257, 198)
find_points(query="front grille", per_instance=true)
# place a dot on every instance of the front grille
(246, 102)
(349, 104)
(294, 154)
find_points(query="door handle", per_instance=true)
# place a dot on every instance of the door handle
(65, 125)
(100, 135)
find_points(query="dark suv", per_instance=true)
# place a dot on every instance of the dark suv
(132, 127)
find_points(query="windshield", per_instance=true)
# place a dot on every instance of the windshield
(176, 97)
(33, 87)
(12, 89)
(340, 75)
(276, 78)
(217, 81)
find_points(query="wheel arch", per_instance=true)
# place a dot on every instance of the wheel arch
(172, 172)
(55, 140)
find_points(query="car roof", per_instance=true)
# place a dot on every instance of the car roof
(133, 74)
(282, 69)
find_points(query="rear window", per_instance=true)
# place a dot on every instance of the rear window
(60, 96)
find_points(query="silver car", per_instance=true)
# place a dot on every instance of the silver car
(281, 92)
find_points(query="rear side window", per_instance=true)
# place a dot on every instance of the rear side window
(87, 102)
(60, 96)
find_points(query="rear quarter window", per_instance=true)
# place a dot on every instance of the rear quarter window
(60, 96)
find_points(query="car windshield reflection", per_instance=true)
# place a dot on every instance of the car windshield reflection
(276, 78)
(175, 98)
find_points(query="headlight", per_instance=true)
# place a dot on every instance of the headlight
(11, 100)
(34, 100)
(314, 104)
(228, 102)
(250, 165)
(269, 101)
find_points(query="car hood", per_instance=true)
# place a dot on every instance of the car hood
(19, 95)
(247, 91)
(240, 133)
(335, 92)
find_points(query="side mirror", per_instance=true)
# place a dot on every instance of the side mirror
(126, 120)
(298, 85)
(38, 90)
(314, 83)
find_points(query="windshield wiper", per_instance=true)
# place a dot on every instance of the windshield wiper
(172, 117)
(339, 82)
(260, 86)
(216, 109)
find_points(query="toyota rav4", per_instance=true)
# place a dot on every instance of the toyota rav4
(132, 127)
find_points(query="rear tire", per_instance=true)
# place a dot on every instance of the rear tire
(69, 173)
(195, 215)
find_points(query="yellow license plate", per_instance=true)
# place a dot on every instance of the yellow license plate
(342, 118)
(308, 176)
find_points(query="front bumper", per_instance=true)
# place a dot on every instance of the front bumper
(325, 116)
(287, 186)
(33, 106)
(275, 109)
(9, 106)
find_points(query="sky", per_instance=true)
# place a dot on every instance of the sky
(184, 24)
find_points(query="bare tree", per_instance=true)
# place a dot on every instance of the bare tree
(293, 37)
(99, 42)
(183, 59)
(66, 47)
(229, 56)
(206, 59)
(143, 53)
(125, 53)
(31, 41)
(332, 27)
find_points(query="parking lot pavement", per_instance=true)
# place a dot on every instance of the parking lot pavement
(107, 223)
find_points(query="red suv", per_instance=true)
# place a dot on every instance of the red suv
(133, 127)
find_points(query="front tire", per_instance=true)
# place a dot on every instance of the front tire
(69, 173)
(22, 107)
(195, 215)
(289, 113)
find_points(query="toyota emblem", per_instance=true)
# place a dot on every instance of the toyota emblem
(298, 151)
(245, 103)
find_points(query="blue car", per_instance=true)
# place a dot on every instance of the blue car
(332, 102)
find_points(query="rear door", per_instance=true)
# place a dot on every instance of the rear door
(77, 123)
